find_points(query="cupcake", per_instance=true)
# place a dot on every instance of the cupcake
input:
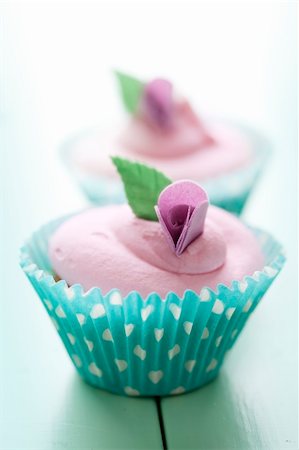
(164, 131)
(148, 297)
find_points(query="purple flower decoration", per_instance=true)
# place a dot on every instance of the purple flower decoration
(181, 210)
(158, 101)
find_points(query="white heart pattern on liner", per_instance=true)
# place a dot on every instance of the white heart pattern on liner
(72, 338)
(174, 351)
(189, 365)
(145, 312)
(234, 333)
(212, 365)
(155, 376)
(107, 336)
(77, 360)
(81, 318)
(128, 329)
(93, 368)
(178, 390)
(188, 327)
(247, 306)
(59, 312)
(121, 364)
(48, 304)
(229, 312)
(218, 341)
(205, 333)
(175, 310)
(89, 344)
(97, 311)
(130, 391)
(218, 307)
(159, 333)
(55, 323)
(115, 299)
(140, 352)
(205, 295)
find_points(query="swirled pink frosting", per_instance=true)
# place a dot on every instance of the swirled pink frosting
(110, 248)
(185, 134)
(230, 150)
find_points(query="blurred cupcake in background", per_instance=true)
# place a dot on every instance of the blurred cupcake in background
(163, 130)
(149, 297)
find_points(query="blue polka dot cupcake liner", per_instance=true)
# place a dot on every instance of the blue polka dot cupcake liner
(154, 346)
(229, 191)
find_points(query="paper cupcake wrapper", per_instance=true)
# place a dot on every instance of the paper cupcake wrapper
(229, 191)
(154, 346)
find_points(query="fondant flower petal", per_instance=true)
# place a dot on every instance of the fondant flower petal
(194, 227)
(165, 229)
(158, 101)
(177, 217)
(181, 210)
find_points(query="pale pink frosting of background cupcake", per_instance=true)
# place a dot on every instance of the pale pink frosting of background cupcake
(230, 150)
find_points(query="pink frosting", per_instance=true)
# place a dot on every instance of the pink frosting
(149, 244)
(230, 150)
(110, 248)
(185, 134)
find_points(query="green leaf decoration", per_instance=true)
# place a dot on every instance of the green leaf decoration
(131, 90)
(143, 185)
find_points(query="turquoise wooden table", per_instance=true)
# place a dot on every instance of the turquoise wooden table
(44, 405)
